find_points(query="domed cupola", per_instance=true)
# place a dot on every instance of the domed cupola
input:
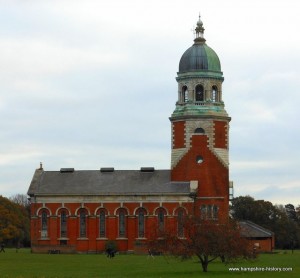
(199, 81)
(200, 58)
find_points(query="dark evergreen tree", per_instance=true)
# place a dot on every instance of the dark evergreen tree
(291, 212)
(282, 220)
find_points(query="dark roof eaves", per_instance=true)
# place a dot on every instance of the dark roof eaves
(257, 227)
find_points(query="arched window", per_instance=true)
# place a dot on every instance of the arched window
(214, 94)
(184, 94)
(82, 223)
(141, 222)
(102, 223)
(215, 212)
(161, 219)
(199, 93)
(203, 212)
(209, 212)
(44, 224)
(199, 130)
(122, 223)
(180, 220)
(63, 223)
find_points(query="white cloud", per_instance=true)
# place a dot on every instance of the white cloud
(87, 84)
(258, 164)
(38, 57)
(15, 157)
(293, 184)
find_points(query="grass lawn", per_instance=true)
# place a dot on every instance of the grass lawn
(24, 264)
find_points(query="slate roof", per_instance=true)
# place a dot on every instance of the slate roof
(250, 229)
(96, 182)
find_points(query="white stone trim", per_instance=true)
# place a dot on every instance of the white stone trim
(44, 207)
(222, 155)
(177, 155)
(101, 208)
(209, 198)
(63, 207)
(81, 207)
(113, 199)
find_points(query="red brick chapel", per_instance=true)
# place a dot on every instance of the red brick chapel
(79, 211)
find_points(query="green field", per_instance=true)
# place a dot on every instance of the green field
(24, 264)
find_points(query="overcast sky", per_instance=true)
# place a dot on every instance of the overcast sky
(90, 84)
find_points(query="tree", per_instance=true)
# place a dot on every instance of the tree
(298, 212)
(14, 222)
(282, 220)
(20, 199)
(291, 212)
(205, 239)
(261, 212)
(242, 208)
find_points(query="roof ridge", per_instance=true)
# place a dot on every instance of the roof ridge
(258, 227)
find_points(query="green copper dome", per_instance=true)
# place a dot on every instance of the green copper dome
(200, 60)
(199, 57)
(199, 82)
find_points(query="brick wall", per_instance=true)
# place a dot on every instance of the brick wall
(212, 175)
(220, 134)
(92, 242)
(178, 134)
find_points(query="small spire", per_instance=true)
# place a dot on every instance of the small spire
(199, 22)
(41, 166)
(199, 30)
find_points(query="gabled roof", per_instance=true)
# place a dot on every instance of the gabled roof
(107, 182)
(250, 229)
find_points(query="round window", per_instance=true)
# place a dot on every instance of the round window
(199, 159)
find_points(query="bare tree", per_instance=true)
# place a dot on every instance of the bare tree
(20, 199)
(205, 239)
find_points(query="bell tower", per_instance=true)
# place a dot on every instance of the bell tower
(200, 127)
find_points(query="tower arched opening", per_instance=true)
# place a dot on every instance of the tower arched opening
(214, 94)
(184, 94)
(199, 130)
(199, 93)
